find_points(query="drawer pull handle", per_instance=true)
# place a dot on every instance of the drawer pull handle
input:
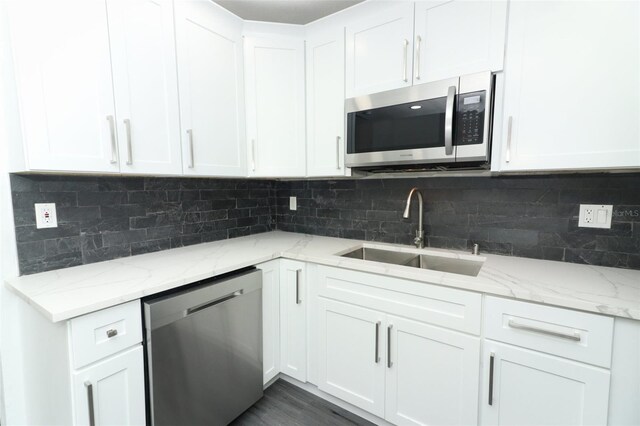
(574, 336)
(127, 126)
(377, 354)
(389, 363)
(298, 272)
(112, 333)
(112, 138)
(492, 357)
(92, 416)
(192, 163)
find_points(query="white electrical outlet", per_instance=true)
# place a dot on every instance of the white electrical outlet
(293, 203)
(46, 215)
(595, 216)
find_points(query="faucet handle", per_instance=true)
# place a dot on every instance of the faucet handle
(476, 249)
(418, 241)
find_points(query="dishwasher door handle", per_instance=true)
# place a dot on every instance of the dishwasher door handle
(214, 302)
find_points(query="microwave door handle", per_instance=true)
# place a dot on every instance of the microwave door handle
(448, 120)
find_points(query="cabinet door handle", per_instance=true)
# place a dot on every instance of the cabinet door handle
(448, 120)
(377, 351)
(338, 152)
(418, 44)
(574, 336)
(298, 272)
(253, 155)
(127, 128)
(507, 156)
(112, 135)
(191, 157)
(405, 78)
(92, 418)
(389, 363)
(491, 362)
(112, 333)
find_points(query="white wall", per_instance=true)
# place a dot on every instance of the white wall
(12, 401)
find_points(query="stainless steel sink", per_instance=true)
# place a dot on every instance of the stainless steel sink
(384, 256)
(447, 264)
(434, 262)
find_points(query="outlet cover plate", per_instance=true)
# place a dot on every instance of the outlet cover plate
(595, 216)
(46, 215)
(293, 203)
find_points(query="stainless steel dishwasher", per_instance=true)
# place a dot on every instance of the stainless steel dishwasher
(204, 351)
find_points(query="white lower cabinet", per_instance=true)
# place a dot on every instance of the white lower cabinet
(352, 354)
(111, 392)
(530, 388)
(88, 370)
(415, 354)
(107, 359)
(432, 375)
(293, 320)
(270, 319)
(551, 366)
(404, 371)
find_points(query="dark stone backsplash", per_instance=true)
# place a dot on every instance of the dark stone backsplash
(528, 216)
(102, 218)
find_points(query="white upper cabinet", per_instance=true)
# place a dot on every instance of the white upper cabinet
(379, 50)
(210, 75)
(572, 78)
(397, 45)
(274, 72)
(325, 100)
(145, 84)
(64, 85)
(458, 37)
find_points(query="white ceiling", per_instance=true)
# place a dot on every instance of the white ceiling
(285, 11)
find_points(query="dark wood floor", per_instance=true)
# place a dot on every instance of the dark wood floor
(286, 404)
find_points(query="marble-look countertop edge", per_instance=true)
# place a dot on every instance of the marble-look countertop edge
(497, 277)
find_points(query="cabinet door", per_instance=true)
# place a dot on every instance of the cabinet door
(146, 85)
(270, 319)
(113, 388)
(210, 76)
(293, 320)
(325, 101)
(275, 106)
(531, 388)
(352, 354)
(432, 376)
(458, 37)
(65, 92)
(572, 78)
(379, 50)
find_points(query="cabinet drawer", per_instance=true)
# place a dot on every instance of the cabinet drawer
(569, 334)
(102, 333)
(445, 307)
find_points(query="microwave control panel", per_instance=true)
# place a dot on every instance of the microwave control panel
(470, 118)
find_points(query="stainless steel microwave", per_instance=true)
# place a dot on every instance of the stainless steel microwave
(444, 122)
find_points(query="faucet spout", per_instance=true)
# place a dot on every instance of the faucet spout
(419, 239)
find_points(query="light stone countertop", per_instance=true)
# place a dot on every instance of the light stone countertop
(70, 292)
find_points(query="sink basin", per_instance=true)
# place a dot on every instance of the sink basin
(447, 264)
(384, 256)
(434, 262)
